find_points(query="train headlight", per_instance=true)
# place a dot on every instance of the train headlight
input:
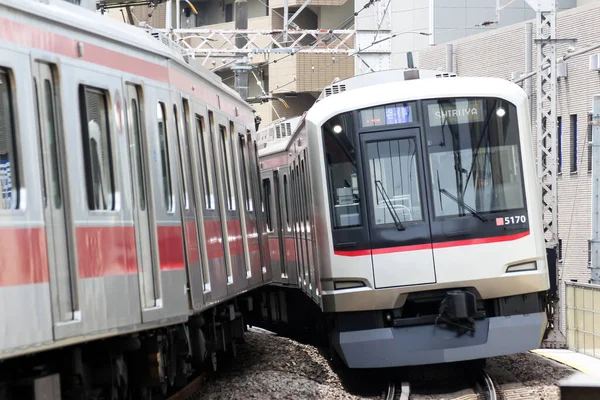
(501, 112)
(527, 266)
(337, 129)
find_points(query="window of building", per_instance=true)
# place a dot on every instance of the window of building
(574, 159)
(229, 12)
(97, 149)
(589, 142)
(560, 250)
(589, 252)
(164, 157)
(559, 133)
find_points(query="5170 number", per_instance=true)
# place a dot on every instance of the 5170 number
(515, 219)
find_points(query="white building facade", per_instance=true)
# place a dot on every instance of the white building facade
(441, 21)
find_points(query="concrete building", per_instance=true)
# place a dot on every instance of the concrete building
(297, 79)
(504, 51)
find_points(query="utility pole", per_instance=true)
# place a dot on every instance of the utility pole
(241, 67)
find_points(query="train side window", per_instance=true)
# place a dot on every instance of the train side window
(245, 176)
(164, 156)
(286, 201)
(205, 163)
(226, 156)
(97, 149)
(9, 169)
(136, 126)
(266, 183)
(342, 178)
(182, 159)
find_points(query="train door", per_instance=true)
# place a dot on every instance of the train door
(55, 200)
(144, 232)
(397, 212)
(188, 206)
(280, 227)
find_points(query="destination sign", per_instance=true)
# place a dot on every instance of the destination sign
(392, 114)
(455, 112)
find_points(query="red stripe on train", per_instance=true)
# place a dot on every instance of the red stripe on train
(105, 251)
(170, 248)
(23, 256)
(440, 245)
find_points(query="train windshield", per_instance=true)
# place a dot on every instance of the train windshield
(474, 156)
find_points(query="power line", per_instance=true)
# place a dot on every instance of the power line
(350, 55)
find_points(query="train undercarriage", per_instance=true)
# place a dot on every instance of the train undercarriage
(150, 364)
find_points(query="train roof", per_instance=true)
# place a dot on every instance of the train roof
(87, 20)
(389, 92)
(276, 136)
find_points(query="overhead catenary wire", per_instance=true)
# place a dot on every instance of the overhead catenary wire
(375, 42)
(340, 25)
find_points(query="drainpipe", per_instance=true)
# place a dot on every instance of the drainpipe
(528, 59)
(595, 248)
(449, 55)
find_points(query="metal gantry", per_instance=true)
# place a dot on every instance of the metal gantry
(547, 166)
(221, 42)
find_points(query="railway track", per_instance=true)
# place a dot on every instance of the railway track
(483, 389)
(191, 390)
(397, 392)
(488, 391)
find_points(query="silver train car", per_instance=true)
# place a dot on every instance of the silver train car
(129, 232)
(406, 208)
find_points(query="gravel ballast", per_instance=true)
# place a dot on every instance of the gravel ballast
(272, 367)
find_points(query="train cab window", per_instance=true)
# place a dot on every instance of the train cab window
(474, 156)
(342, 179)
(97, 149)
(164, 156)
(9, 176)
(394, 180)
(226, 156)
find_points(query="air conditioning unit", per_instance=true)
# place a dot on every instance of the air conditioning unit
(562, 70)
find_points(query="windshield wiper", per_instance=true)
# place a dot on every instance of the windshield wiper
(462, 203)
(390, 208)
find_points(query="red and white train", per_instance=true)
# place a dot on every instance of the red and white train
(129, 225)
(406, 209)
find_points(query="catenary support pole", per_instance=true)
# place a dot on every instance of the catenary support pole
(168, 16)
(241, 67)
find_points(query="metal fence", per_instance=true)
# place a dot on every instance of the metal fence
(583, 318)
